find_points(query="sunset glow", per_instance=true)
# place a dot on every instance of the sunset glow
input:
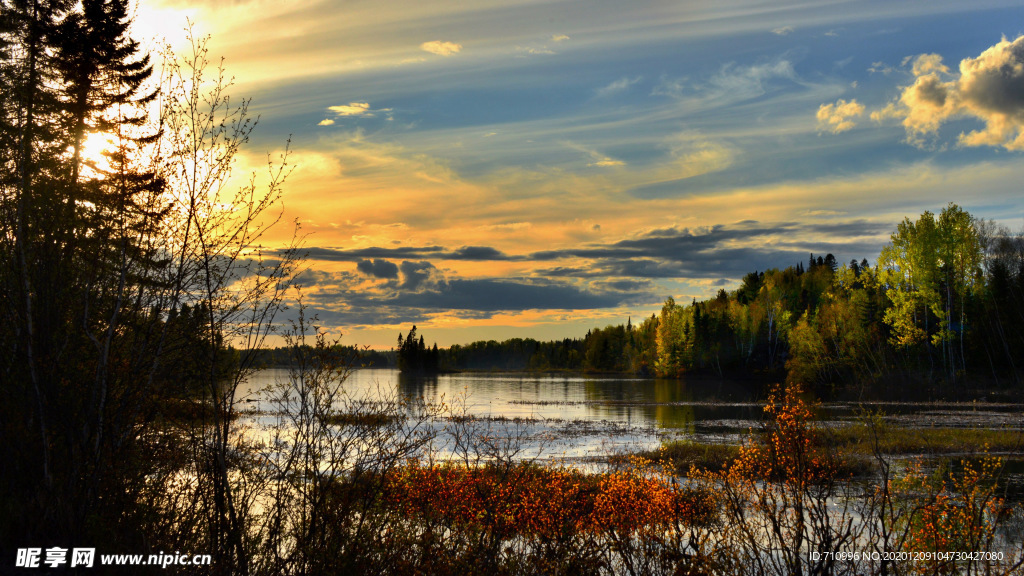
(509, 169)
(95, 145)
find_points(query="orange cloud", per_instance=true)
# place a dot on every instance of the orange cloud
(836, 118)
(441, 48)
(351, 109)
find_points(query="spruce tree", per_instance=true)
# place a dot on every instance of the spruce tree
(79, 330)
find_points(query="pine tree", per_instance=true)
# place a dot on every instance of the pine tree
(414, 357)
(77, 256)
(105, 73)
(830, 262)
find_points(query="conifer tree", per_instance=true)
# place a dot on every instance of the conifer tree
(77, 254)
(90, 294)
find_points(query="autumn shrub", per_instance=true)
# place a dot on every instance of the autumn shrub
(550, 520)
(653, 524)
(786, 500)
(935, 513)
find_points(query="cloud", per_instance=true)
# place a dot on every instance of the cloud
(667, 252)
(926, 64)
(597, 159)
(506, 226)
(350, 109)
(631, 271)
(836, 118)
(441, 48)
(534, 50)
(540, 48)
(881, 68)
(306, 278)
(627, 285)
(435, 252)
(378, 268)
(339, 299)
(783, 31)
(713, 251)
(671, 87)
(417, 274)
(355, 255)
(992, 88)
(478, 253)
(606, 163)
(620, 85)
(923, 106)
(693, 154)
(494, 295)
(989, 88)
(731, 84)
(742, 82)
(690, 155)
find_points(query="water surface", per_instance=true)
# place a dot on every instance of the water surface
(581, 416)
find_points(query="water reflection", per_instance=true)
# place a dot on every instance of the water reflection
(615, 411)
(677, 405)
(424, 387)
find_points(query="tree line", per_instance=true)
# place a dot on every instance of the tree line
(284, 356)
(944, 302)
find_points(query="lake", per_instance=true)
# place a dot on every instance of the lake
(572, 417)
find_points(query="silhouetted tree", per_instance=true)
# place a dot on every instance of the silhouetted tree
(414, 357)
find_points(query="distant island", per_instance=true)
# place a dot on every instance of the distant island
(414, 357)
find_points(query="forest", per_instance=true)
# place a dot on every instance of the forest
(137, 295)
(944, 303)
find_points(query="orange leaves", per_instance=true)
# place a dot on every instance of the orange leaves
(952, 511)
(527, 519)
(791, 450)
(628, 502)
(545, 503)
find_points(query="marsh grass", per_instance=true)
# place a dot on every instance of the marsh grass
(857, 443)
(682, 455)
(191, 411)
(867, 438)
(364, 419)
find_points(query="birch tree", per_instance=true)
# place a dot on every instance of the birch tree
(931, 268)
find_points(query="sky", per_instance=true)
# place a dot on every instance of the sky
(521, 168)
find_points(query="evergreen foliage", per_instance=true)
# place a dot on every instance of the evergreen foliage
(123, 280)
(80, 265)
(414, 357)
